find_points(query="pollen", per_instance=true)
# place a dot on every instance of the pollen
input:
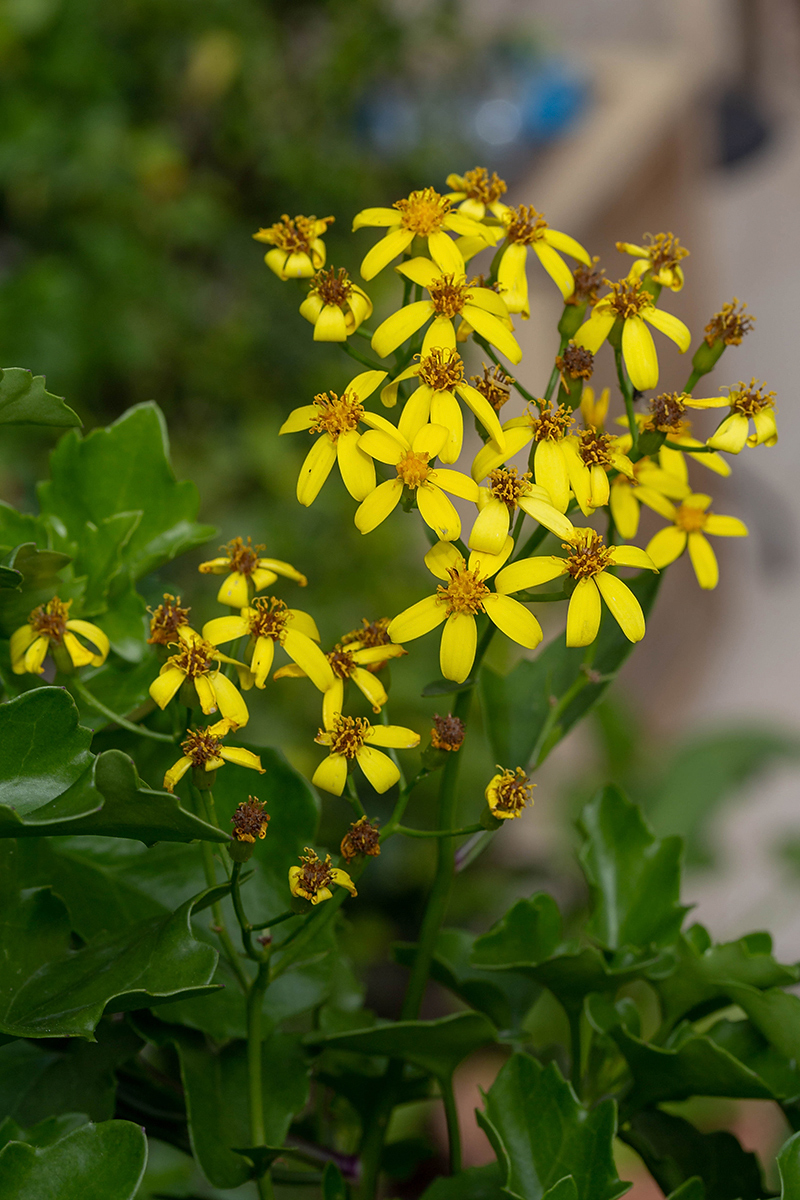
(552, 424)
(524, 224)
(314, 874)
(511, 793)
(595, 448)
(588, 555)
(576, 362)
(447, 733)
(250, 821)
(413, 468)
(423, 212)
(50, 619)
(200, 746)
(332, 286)
(347, 736)
(337, 414)
(293, 234)
(494, 385)
(690, 519)
(195, 658)
(749, 399)
(166, 620)
(442, 369)
(342, 662)
(464, 593)
(483, 187)
(269, 617)
(730, 324)
(449, 294)
(667, 412)
(243, 555)
(361, 839)
(507, 485)
(628, 298)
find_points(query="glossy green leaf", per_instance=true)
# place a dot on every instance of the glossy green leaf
(774, 1013)
(633, 877)
(674, 1152)
(541, 1133)
(43, 750)
(517, 706)
(749, 1046)
(10, 577)
(25, 401)
(41, 572)
(477, 1183)
(789, 1169)
(435, 1046)
(50, 1130)
(125, 469)
(94, 1162)
(333, 1185)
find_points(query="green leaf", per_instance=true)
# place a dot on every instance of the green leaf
(125, 469)
(477, 1183)
(789, 1169)
(40, 580)
(11, 578)
(94, 1162)
(435, 1046)
(674, 1153)
(693, 1189)
(519, 705)
(541, 1133)
(634, 878)
(333, 1185)
(745, 1042)
(24, 401)
(43, 750)
(50, 1130)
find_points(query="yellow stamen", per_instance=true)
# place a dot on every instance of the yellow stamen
(511, 793)
(596, 448)
(730, 324)
(449, 294)
(337, 414)
(413, 468)
(347, 737)
(442, 369)
(483, 187)
(423, 211)
(524, 224)
(507, 485)
(628, 298)
(589, 556)
(667, 412)
(342, 663)
(293, 234)
(494, 386)
(751, 399)
(332, 287)
(194, 658)
(50, 620)
(166, 620)
(250, 821)
(464, 593)
(552, 424)
(269, 618)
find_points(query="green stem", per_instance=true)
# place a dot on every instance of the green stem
(81, 689)
(526, 395)
(285, 916)
(689, 449)
(627, 396)
(362, 331)
(366, 362)
(210, 873)
(255, 1001)
(241, 916)
(437, 833)
(453, 1130)
(553, 380)
(693, 380)
(402, 801)
(352, 796)
(574, 1016)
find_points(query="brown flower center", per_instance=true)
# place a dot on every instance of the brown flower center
(464, 593)
(507, 485)
(447, 733)
(413, 468)
(690, 519)
(667, 412)
(200, 746)
(50, 619)
(552, 424)
(588, 281)
(483, 187)
(269, 617)
(194, 658)
(494, 386)
(332, 286)
(342, 663)
(337, 414)
(576, 362)
(751, 399)
(166, 620)
(423, 211)
(730, 324)
(244, 556)
(294, 234)
(314, 874)
(372, 633)
(442, 369)
(588, 555)
(595, 448)
(524, 224)
(664, 250)
(449, 294)
(348, 735)
(362, 838)
(514, 791)
(627, 298)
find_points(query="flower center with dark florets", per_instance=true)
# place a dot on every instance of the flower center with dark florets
(576, 362)
(729, 325)
(507, 485)
(464, 593)
(200, 746)
(483, 187)
(751, 399)
(664, 250)
(250, 821)
(244, 556)
(342, 663)
(332, 286)
(166, 620)
(195, 658)
(552, 424)
(449, 294)
(524, 224)
(372, 633)
(627, 298)
(347, 736)
(442, 369)
(494, 385)
(514, 791)
(337, 414)
(314, 873)
(269, 617)
(423, 211)
(50, 620)
(447, 733)
(588, 555)
(588, 281)
(295, 234)
(362, 838)
(667, 411)
(595, 448)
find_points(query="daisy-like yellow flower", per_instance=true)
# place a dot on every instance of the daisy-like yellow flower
(497, 503)
(198, 663)
(450, 297)
(166, 621)
(747, 402)
(652, 486)
(203, 751)
(668, 415)
(594, 410)
(494, 385)
(587, 562)
(412, 461)
(312, 881)
(590, 456)
(659, 257)
(441, 380)
(268, 622)
(477, 191)
(353, 738)
(248, 572)
(297, 247)
(691, 523)
(508, 793)
(50, 627)
(548, 429)
(729, 325)
(371, 633)
(456, 604)
(336, 419)
(526, 228)
(358, 663)
(629, 302)
(424, 214)
(335, 305)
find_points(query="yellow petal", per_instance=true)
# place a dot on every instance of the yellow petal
(165, 685)
(550, 472)
(429, 440)
(594, 332)
(416, 411)
(304, 623)
(79, 655)
(445, 411)
(308, 655)
(378, 505)
(34, 656)
(623, 605)
(556, 268)
(482, 409)
(206, 695)
(343, 879)
(92, 634)
(486, 460)
(382, 253)
(639, 352)
(490, 530)
(445, 253)
(441, 558)
(669, 325)
(512, 277)
(491, 328)
(332, 702)
(546, 514)
(440, 334)
(624, 510)
(387, 448)
(21, 639)
(176, 772)
(229, 700)
(731, 435)
(376, 216)
(379, 769)
(583, 614)
(225, 629)
(515, 621)
(331, 774)
(370, 686)
(567, 245)
(455, 483)
(667, 545)
(417, 620)
(363, 385)
(260, 578)
(658, 503)
(458, 645)
(599, 486)
(578, 472)
(315, 470)
(529, 573)
(704, 561)
(486, 564)
(419, 270)
(242, 757)
(233, 590)
(389, 393)
(400, 326)
(357, 468)
(300, 419)
(438, 512)
(719, 526)
(632, 556)
(330, 325)
(397, 737)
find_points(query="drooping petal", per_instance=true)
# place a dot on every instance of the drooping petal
(719, 526)
(34, 656)
(490, 327)
(512, 277)
(225, 629)
(378, 505)
(401, 325)
(230, 700)
(370, 686)
(357, 468)
(396, 737)
(79, 655)
(304, 623)
(599, 486)
(482, 409)
(704, 561)
(529, 573)
(514, 620)
(281, 568)
(263, 657)
(379, 769)
(242, 757)
(417, 620)
(458, 646)
(583, 614)
(332, 703)
(176, 772)
(315, 470)
(667, 545)
(594, 332)
(343, 879)
(546, 514)
(234, 591)
(567, 245)
(330, 325)
(331, 774)
(165, 685)
(92, 634)
(491, 527)
(623, 605)
(578, 472)
(389, 392)
(206, 695)
(308, 655)
(438, 512)
(387, 448)
(445, 411)
(382, 253)
(639, 352)
(261, 578)
(556, 268)
(731, 435)
(632, 556)
(377, 654)
(445, 253)
(21, 639)
(669, 325)
(550, 472)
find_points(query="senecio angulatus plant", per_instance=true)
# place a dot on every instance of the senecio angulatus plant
(172, 972)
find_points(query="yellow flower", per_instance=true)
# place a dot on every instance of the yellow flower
(508, 793)
(549, 430)
(362, 839)
(450, 296)
(335, 305)
(198, 663)
(691, 522)
(525, 227)
(358, 663)
(250, 821)
(297, 247)
(729, 325)
(248, 572)
(494, 385)
(587, 563)
(336, 419)
(204, 751)
(508, 491)
(441, 379)
(424, 214)
(456, 604)
(476, 191)
(50, 627)
(354, 738)
(412, 461)
(747, 402)
(167, 620)
(667, 415)
(651, 485)
(590, 456)
(269, 623)
(594, 411)
(633, 305)
(312, 881)
(659, 257)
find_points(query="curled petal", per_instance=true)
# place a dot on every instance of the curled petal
(263, 656)
(556, 268)
(445, 253)
(491, 527)
(669, 325)
(441, 558)
(486, 564)
(370, 686)
(594, 332)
